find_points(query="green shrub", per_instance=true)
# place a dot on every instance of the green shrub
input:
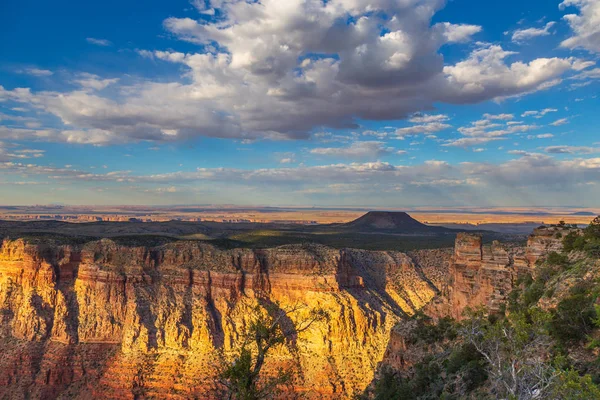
(557, 259)
(593, 229)
(547, 272)
(533, 293)
(550, 292)
(429, 333)
(569, 241)
(572, 386)
(579, 243)
(573, 317)
(426, 378)
(524, 280)
(393, 387)
(589, 241)
(514, 304)
(592, 247)
(467, 362)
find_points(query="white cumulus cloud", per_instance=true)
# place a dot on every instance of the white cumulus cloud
(585, 25)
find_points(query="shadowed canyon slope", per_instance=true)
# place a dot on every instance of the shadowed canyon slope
(103, 320)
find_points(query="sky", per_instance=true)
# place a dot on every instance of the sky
(382, 103)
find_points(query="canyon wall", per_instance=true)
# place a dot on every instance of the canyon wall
(102, 320)
(484, 275)
(478, 275)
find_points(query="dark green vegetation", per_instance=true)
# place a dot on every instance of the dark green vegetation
(374, 231)
(588, 242)
(341, 239)
(544, 344)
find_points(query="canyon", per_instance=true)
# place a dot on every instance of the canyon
(113, 321)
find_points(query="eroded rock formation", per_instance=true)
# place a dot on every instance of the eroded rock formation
(108, 321)
(484, 275)
(103, 320)
(546, 239)
(478, 275)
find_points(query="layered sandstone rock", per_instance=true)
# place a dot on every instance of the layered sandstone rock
(108, 321)
(478, 276)
(545, 240)
(484, 275)
(103, 320)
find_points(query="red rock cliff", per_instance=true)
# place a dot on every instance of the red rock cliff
(484, 275)
(110, 321)
(479, 275)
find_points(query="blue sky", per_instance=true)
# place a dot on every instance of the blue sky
(339, 103)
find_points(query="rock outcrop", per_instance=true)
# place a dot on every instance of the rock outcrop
(546, 239)
(478, 275)
(102, 320)
(484, 275)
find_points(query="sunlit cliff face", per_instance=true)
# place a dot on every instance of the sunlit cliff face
(110, 321)
(166, 312)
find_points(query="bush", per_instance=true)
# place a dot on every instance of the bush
(426, 379)
(550, 292)
(524, 280)
(592, 247)
(593, 229)
(467, 362)
(579, 243)
(589, 241)
(574, 387)
(574, 317)
(429, 333)
(547, 272)
(514, 304)
(533, 293)
(527, 291)
(557, 259)
(569, 242)
(390, 386)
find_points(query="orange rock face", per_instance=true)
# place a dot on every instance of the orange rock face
(108, 321)
(484, 275)
(545, 240)
(479, 275)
